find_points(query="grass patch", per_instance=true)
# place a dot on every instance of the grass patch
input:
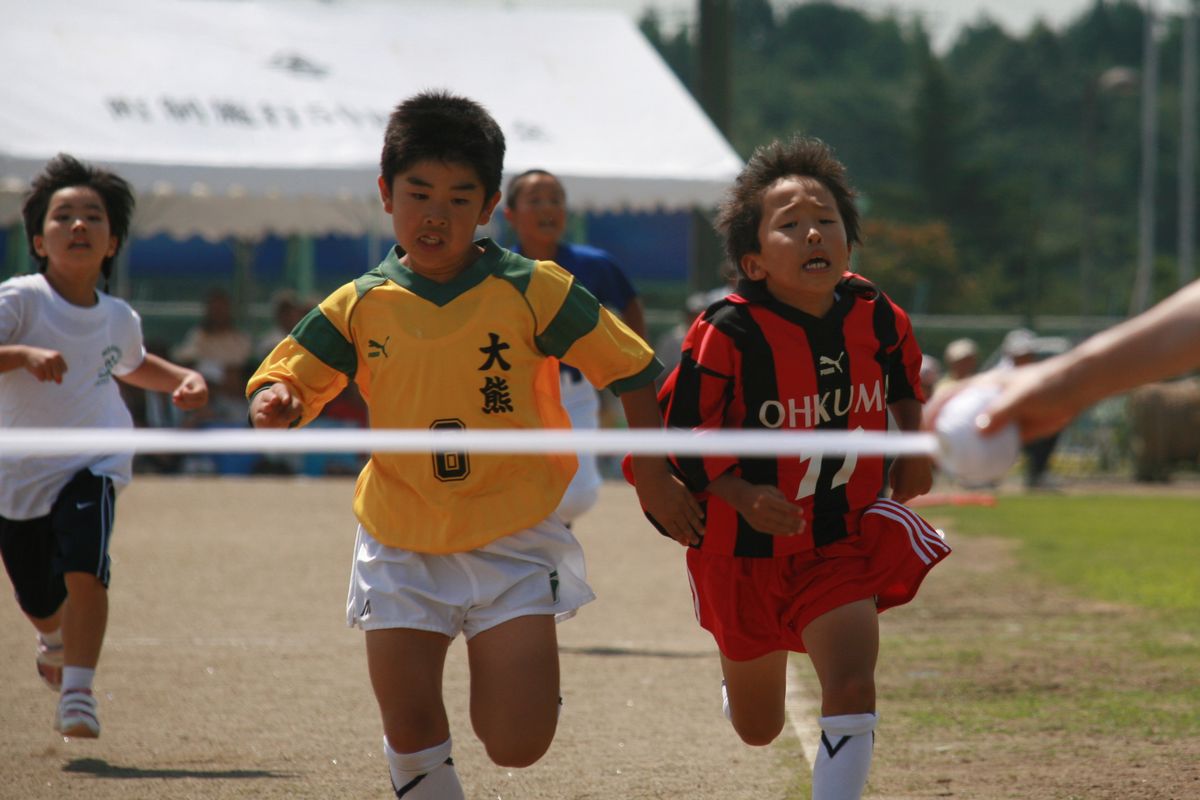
(1139, 550)
(789, 756)
(1056, 654)
(1128, 665)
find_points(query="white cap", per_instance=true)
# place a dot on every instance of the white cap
(960, 349)
(1019, 342)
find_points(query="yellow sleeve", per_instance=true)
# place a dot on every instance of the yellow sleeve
(318, 359)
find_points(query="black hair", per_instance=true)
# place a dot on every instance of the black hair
(740, 212)
(440, 126)
(62, 172)
(513, 190)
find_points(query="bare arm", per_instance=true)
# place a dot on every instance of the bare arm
(662, 495)
(43, 364)
(634, 315)
(1157, 344)
(187, 387)
(765, 507)
(910, 476)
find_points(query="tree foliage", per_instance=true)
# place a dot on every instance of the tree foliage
(982, 169)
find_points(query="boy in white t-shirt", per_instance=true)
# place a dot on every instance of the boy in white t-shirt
(62, 343)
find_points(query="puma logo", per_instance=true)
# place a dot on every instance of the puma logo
(832, 365)
(378, 349)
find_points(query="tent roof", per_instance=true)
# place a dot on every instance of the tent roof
(248, 117)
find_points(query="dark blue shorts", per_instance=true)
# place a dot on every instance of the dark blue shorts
(73, 537)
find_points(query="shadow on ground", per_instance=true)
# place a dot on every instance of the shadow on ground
(102, 769)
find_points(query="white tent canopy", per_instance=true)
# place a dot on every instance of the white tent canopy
(241, 118)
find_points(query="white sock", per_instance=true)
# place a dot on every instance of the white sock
(52, 640)
(424, 775)
(844, 757)
(78, 678)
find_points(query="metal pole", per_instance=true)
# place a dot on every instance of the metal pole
(714, 80)
(243, 280)
(1187, 146)
(713, 66)
(1090, 90)
(1145, 264)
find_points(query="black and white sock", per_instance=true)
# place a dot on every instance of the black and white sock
(424, 775)
(844, 757)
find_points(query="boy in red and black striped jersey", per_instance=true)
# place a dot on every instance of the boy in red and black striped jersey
(800, 554)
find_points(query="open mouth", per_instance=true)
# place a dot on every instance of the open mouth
(816, 265)
(429, 240)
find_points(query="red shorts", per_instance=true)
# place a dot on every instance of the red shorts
(755, 606)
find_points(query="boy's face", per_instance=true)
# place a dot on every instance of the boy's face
(803, 250)
(435, 208)
(76, 236)
(539, 216)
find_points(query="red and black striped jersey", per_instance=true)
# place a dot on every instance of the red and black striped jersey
(751, 362)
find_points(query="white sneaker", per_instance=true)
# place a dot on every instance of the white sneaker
(76, 715)
(50, 664)
(725, 702)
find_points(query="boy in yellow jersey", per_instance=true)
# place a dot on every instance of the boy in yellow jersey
(450, 332)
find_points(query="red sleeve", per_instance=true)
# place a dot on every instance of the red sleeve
(904, 376)
(699, 396)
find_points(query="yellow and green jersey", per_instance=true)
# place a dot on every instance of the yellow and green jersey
(478, 353)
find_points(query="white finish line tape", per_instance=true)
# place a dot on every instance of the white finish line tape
(66, 441)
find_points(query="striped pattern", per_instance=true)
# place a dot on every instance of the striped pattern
(927, 542)
(753, 363)
(108, 495)
(401, 791)
(77, 715)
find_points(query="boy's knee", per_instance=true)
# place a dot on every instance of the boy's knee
(516, 744)
(79, 583)
(761, 727)
(759, 732)
(517, 752)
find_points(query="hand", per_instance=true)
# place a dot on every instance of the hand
(763, 506)
(191, 393)
(1039, 398)
(275, 407)
(45, 365)
(910, 476)
(664, 497)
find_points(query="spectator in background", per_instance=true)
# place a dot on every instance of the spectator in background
(215, 338)
(151, 409)
(287, 310)
(227, 408)
(1018, 349)
(961, 359)
(931, 373)
(668, 347)
(536, 208)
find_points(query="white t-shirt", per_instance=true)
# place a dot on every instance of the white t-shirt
(97, 343)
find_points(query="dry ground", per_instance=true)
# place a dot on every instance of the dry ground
(228, 673)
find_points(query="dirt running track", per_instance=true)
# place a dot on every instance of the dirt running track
(229, 673)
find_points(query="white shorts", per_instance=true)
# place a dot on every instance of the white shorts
(535, 571)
